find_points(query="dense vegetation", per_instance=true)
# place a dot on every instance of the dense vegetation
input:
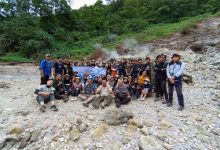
(31, 28)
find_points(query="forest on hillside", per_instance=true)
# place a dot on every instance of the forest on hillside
(33, 27)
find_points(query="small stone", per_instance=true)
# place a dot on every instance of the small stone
(216, 131)
(145, 131)
(197, 117)
(100, 130)
(164, 125)
(135, 123)
(15, 129)
(149, 143)
(2, 143)
(13, 137)
(83, 127)
(162, 136)
(62, 139)
(24, 140)
(35, 135)
(74, 134)
(167, 146)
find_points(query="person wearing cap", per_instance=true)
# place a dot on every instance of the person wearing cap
(58, 67)
(45, 94)
(175, 75)
(88, 93)
(160, 77)
(45, 69)
(121, 94)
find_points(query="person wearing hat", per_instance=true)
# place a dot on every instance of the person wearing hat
(58, 67)
(45, 94)
(175, 75)
(45, 69)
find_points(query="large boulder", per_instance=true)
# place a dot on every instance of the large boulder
(116, 117)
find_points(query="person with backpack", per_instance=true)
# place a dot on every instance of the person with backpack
(45, 69)
(175, 75)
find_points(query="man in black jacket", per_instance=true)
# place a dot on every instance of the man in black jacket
(160, 77)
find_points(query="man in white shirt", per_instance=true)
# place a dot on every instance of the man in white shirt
(105, 95)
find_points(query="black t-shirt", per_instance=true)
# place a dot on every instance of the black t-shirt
(59, 67)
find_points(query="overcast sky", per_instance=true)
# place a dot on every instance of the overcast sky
(75, 4)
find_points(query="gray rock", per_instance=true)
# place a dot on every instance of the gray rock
(74, 134)
(35, 135)
(216, 131)
(24, 140)
(116, 117)
(15, 129)
(2, 143)
(149, 143)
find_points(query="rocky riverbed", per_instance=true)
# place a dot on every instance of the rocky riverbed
(145, 125)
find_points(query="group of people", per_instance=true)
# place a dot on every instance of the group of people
(125, 80)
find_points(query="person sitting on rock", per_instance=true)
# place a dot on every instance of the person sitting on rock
(175, 75)
(76, 88)
(121, 94)
(45, 94)
(60, 92)
(89, 92)
(105, 95)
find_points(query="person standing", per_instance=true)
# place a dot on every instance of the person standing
(58, 67)
(175, 75)
(160, 77)
(45, 69)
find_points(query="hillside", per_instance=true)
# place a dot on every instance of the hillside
(154, 126)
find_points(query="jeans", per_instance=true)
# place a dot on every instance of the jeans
(45, 99)
(178, 87)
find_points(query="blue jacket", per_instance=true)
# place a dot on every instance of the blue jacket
(175, 69)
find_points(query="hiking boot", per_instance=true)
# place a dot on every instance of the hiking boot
(164, 102)
(43, 108)
(85, 104)
(169, 104)
(156, 99)
(66, 99)
(181, 108)
(54, 108)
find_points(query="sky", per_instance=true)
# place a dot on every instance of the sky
(76, 4)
